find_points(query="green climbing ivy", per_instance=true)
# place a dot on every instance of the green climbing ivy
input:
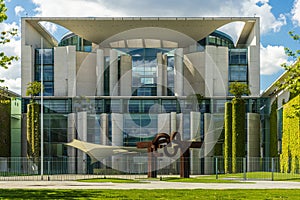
(33, 131)
(290, 156)
(5, 105)
(273, 130)
(228, 137)
(238, 132)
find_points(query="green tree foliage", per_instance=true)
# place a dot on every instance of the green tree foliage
(5, 37)
(33, 89)
(292, 82)
(228, 137)
(290, 156)
(273, 130)
(239, 89)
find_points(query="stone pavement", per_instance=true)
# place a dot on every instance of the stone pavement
(147, 185)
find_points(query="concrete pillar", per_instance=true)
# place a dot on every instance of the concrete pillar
(100, 68)
(104, 129)
(71, 135)
(27, 59)
(113, 73)
(126, 75)
(173, 122)
(117, 138)
(178, 72)
(82, 135)
(208, 144)
(195, 127)
(179, 123)
(65, 71)
(72, 75)
(253, 141)
(254, 70)
(161, 75)
(163, 123)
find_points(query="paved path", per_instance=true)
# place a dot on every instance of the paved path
(148, 185)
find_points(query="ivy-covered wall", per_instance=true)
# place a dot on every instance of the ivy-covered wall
(228, 137)
(5, 105)
(33, 131)
(290, 156)
(273, 130)
(238, 131)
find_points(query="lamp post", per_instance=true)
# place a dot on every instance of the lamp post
(42, 109)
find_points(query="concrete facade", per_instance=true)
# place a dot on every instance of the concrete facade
(171, 64)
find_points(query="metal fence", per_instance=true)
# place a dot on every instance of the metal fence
(69, 168)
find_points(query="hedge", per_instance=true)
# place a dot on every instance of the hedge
(273, 130)
(33, 131)
(290, 156)
(5, 105)
(238, 131)
(228, 137)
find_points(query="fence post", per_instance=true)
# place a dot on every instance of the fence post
(244, 168)
(216, 158)
(272, 163)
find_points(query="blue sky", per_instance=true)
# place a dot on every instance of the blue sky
(277, 17)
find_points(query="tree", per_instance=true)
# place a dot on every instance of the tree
(5, 37)
(33, 89)
(236, 126)
(292, 82)
(239, 89)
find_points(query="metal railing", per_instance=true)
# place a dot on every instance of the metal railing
(70, 168)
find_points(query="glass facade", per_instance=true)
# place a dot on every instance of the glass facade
(238, 66)
(74, 40)
(48, 70)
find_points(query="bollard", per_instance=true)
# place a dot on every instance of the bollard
(216, 168)
(244, 168)
(272, 163)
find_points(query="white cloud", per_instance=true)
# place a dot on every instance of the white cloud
(13, 84)
(296, 12)
(52, 28)
(19, 10)
(13, 48)
(271, 58)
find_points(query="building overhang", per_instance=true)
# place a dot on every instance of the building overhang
(99, 29)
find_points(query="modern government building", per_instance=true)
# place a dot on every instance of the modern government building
(119, 81)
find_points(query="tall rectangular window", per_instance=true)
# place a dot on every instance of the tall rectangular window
(48, 70)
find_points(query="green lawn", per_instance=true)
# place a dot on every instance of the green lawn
(111, 180)
(200, 179)
(148, 194)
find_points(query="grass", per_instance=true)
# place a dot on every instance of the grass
(200, 179)
(261, 175)
(110, 180)
(148, 194)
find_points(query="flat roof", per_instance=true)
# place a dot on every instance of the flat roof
(98, 29)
